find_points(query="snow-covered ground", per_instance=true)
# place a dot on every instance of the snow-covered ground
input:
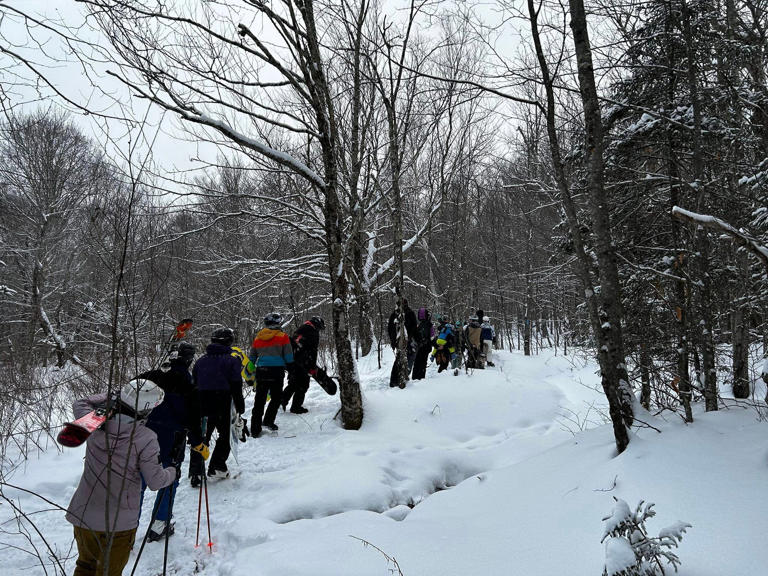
(501, 472)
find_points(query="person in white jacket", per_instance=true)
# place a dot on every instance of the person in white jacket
(487, 335)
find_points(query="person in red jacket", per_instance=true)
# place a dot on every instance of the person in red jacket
(305, 342)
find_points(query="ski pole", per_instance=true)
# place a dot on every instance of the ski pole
(208, 514)
(151, 521)
(200, 496)
(168, 526)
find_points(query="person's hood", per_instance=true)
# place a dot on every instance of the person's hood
(267, 334)
(422, 315)
(120, 425)
(214, 348)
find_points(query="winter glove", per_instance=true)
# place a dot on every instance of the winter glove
(313, 371)
(203, 450)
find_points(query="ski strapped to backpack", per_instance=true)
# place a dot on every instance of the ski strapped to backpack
(74, 433)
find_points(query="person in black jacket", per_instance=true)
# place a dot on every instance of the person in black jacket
(178, 415)
(411, 329)
(219, 382)
(305, 342)
(424, 344)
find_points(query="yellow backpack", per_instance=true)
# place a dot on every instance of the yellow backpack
(249, 370)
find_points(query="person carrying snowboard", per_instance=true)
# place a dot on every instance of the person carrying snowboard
(423, 344)
(444, 344)
(488, 336)
(473, 342)
(305, 342)
(393, 329)
(219, 384)
(272, 354)
(178, 414)
(105, 506)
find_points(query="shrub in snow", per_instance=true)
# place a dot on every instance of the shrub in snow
(629, 551)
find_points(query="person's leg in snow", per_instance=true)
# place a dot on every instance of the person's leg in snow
(301, 386)
(91, 547)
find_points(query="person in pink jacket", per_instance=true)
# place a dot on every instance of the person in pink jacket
(105, 507)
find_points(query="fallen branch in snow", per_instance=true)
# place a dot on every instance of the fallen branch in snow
(390, 559)
(739, 236)
(615, 478)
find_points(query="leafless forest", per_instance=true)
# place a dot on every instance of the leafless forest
(523, 157)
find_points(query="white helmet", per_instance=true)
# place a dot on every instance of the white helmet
(141, 395)
(486, 319)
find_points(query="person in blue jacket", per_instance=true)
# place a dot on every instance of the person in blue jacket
(173, 421)
(218, 378)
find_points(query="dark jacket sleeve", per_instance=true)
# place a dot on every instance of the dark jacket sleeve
(192, 415)
(236, 385)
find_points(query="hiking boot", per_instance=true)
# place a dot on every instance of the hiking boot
(220, 474)
(299, 410)
(256, 432)
(158, 529)
(272, 427)
(195, 480)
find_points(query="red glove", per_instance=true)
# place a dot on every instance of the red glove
(313, 372)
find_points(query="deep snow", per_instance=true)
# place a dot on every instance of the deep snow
(487, 473)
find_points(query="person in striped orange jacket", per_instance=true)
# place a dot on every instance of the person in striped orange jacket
(272, 354)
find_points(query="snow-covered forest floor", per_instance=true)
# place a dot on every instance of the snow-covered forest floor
(504, 471)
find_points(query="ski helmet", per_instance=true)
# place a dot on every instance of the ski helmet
(141, 395)
(317, 322)
(186, 351)
(486, 319)
(223, 336)
(273, 320)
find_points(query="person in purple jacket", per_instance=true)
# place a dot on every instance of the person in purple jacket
(105, 506)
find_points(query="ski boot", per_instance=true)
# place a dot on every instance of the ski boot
(218, 474)
(158, 529)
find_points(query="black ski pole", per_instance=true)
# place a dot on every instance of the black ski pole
(179, 447)
(151, 521)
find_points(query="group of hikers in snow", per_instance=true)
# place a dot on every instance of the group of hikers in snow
(444, 342)
(157, 414)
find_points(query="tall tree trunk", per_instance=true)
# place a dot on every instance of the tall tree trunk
(613, 367)
(349, 385)
(702, 238)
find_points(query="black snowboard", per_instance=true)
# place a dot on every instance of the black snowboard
(326, 382)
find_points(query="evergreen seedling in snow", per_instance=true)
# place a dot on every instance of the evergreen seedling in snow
(629, 551)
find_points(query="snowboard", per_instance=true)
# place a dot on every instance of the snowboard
(75, 433)
(326, 382)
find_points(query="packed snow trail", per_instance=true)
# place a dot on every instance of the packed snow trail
(487, 473)
(414, 442)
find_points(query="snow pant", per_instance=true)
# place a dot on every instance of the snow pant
(488, 349)
(410, 358)
(474, 358)
(298, 385)
(196, 463)
(216, 406)
(268, 381)
(420, 362)
(91, 549)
